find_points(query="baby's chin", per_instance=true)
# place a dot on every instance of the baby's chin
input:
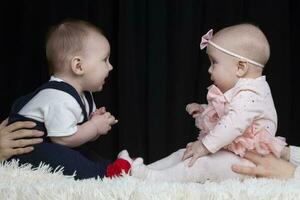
(214, 83)
(99, 89)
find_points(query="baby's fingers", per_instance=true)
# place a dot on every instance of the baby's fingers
(187, 154)
(102, 110)
(112, 120)
(193, 160)
(189, 144)
(107, 114)
(189, 109)
(195, 114)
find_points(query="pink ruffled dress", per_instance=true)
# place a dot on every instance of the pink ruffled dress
(243, 119)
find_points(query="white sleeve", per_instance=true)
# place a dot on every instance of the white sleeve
(295, 159)
(61, 119)
(295, 155)
(59, 111)
(297, 173)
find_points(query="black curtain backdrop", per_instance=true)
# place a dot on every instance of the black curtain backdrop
(158, 67)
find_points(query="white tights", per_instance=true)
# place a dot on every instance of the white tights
(214, 167)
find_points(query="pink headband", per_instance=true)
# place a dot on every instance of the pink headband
(206, 39)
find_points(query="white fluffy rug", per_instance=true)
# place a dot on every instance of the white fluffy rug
(26, 183)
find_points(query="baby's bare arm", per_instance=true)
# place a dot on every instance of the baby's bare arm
(89, 131)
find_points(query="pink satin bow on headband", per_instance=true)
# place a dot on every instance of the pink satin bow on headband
(206, 38)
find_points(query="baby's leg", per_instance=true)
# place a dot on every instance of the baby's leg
(214, 167)
(168, 161)
(219, 166)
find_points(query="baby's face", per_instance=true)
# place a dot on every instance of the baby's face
(223, 69)
(96, 62)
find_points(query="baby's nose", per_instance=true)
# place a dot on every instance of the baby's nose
(110, 67)
(210, 70)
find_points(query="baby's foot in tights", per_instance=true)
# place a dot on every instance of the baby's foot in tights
(121, 165)
(139, 169)
(125, 155)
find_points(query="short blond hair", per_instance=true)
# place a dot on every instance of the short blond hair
(65, 40)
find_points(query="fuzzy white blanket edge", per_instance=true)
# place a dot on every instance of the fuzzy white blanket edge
(23, 182)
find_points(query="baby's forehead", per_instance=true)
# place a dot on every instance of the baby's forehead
(238, 43)
(227, 40)
(246, 41)
(213, 53)
(238, 36)
(98, 39)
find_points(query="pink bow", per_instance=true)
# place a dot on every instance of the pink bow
(217, 99)
(205, 39)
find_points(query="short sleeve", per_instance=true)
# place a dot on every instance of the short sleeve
(61, 119)
(295, 155)
(297, 173)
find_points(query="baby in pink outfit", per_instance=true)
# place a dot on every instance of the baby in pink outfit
(240, 115)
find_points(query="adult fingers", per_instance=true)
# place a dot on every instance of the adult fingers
(255, 158)
(20, 151)
(250, 171)
(25, 142)
(4, 123)
(23, 133)
(18, 125)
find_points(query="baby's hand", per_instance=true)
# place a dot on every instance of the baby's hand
(103, 122)
(194, 109)
(195, 150)
(99, 111)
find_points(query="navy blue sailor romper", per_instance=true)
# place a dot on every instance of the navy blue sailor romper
(85, 162)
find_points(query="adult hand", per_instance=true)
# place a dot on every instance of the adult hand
(13, 138)
(266, 166)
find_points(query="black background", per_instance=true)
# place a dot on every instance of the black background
(158, 67)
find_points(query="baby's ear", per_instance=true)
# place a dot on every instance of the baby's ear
(77, 65)
(242, 68)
